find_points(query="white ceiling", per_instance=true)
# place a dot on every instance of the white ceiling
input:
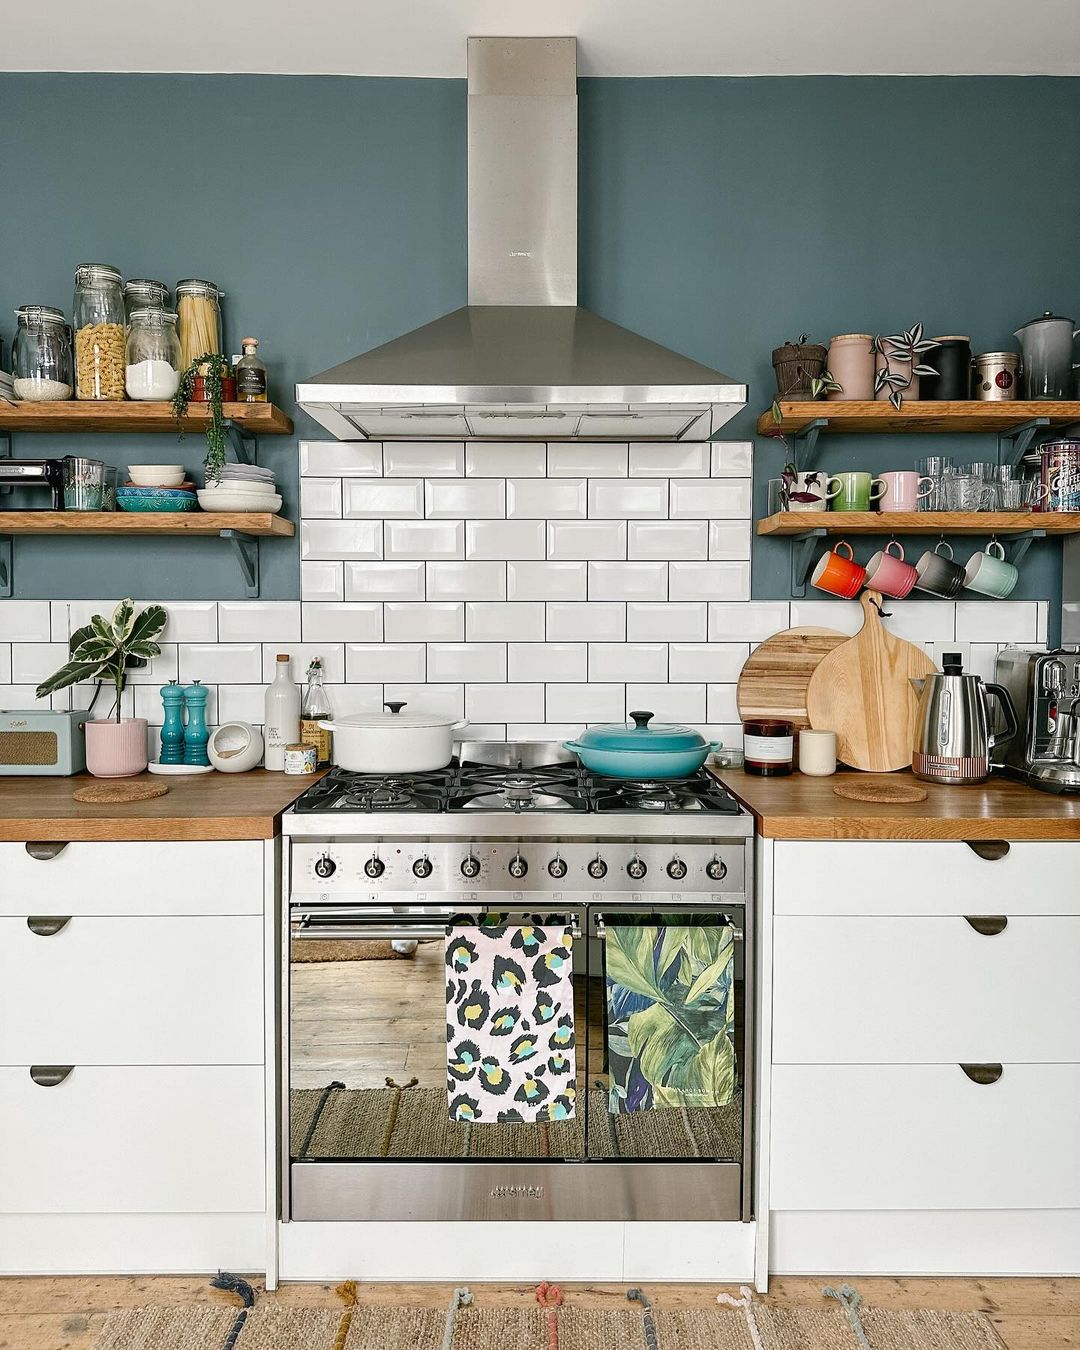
(617, 37)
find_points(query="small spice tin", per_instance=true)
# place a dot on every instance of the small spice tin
(768, 746)
(300, 759)
(995, 376)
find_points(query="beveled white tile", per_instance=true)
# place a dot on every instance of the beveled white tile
(669, 459)
(721, 704)
(505, 702)
(68, 616)
(845, 616)
(729, 540)
(926, 620)
(447, 700)
(710, 498)
(424, 459)
(258, 620)
(570, 622)
(384, 581)
(466, 580)
(383, 499)
(347, 700)
(628, 661)
(710, 581)
(241, 703)
(301, 655)
(543, 731)
(668, 702)
(997, 621)
(221, 662)
(482, 731)
(345, 539)
(577, 703)
(668, 539)
(23, 696)
(341, 459)
(629, 499)
(628, 581)
(709, 662)
(342, 623)
(546, 498)
(522, 539)
(32, 662)
(752, 622)
(546, 580)
(490, 621)
(982, 660)
(571, 540)
(320, 498)
(732, 459)
(569, 459)
(322, 581)
(503, 459)
(461, 498)
(435, 539)
(5, 662)
(377, 662)
(666, 622)
(458, 662)
(441, 622)
(188, 621)
(552, 662)
(1043, 610)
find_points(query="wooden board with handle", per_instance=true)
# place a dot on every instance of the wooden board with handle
(774, 680)
(862, 690)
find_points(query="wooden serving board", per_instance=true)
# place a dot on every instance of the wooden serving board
(774, 680)
(862, 690)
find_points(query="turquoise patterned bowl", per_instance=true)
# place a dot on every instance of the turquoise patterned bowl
(155, 499)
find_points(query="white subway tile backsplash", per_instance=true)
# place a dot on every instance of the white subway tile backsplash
(505, 459)
(241, 703)
(490, 621)
(666, 622)
(300, 655)
(568, 459)
(721, 704)
(342, 623)
(320, 498)
(997, 621)
(160, 670)
(570, 622)
(460, 662)
(384, 581)
(710, 581)
(729, 622)
(482, 731)
(732, 459)
(628, 661)
(188, 621)
(546, 498)
(383, 499)
(710, 498)
(504, 702)
(632, 499)
(346, 539)
(380, 662)
(447, 700)
(572, 540)
(709, 662)
(221, 662)
(668, 702)
(542, 731)
(546, 580)
(668, 539)
(434, 539)
(461, 498)
(729, 539)
(32, 662)
(346, 700)
(552, 662)
(522, 539)
(322, 581)
(982, 660)
(424, 459)
(628, 581)
(341, 459)
(5, 662)
(670, 459)
(466, 580)
(258, 620)
(578, 703)
(440, 622)
(845, 616)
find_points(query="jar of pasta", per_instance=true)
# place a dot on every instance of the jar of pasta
(98, 320)
(198, 306)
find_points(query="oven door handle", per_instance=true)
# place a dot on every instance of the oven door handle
(601, 927)
(374, 932)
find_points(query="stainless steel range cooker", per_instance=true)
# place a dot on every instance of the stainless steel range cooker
(522, 830)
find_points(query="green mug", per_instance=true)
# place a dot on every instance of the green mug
(855, 491)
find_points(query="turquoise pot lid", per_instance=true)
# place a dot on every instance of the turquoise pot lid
(663, 736)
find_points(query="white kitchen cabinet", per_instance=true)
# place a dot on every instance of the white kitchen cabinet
(131, 990)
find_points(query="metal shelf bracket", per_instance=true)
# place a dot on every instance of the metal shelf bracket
(1021, 437)
(802, 553)
(246, 547)
(1019, 544)
(7, 567)
(245, 443)
(804, 443)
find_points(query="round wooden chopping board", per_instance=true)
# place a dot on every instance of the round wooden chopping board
(775, 678)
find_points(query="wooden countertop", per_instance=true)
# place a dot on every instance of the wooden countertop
(798, 807)
(203, 806)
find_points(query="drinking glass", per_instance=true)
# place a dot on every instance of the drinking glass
(84, 483)
(1011, 494)
(936, 468)
(968, 492)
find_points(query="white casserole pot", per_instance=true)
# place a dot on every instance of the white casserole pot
(393, 741)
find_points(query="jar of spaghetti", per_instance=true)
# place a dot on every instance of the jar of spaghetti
(198, 306)
(768, 746)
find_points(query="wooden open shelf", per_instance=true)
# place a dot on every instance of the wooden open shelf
(940, 417)
(131, 523)
(254, 419)
(919, 522)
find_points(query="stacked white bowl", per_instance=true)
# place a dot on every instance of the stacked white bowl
(241, 487)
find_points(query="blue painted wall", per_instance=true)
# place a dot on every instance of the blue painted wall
(719, 216)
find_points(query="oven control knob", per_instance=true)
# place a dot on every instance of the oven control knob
(597, 868)
(557, 866)
(676, 869)
(715, 869)
(325, 866)
(374, 867)
(422, 867)
(636, 868)
(517, 866)
(470, 866)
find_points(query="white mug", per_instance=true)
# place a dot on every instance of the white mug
(811, 488)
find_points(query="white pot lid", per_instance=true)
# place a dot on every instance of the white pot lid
(394, 717)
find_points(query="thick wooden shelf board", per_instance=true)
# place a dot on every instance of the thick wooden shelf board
(919, 522)
(260, 419)
(143, 523)
(879, 418)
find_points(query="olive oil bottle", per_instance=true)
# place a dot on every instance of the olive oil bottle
(316, 709)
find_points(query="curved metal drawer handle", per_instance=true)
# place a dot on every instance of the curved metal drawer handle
(45, 849)
(983, 1074)
(50, 1075)
(990, 850)
(46, 925)
(989, 925)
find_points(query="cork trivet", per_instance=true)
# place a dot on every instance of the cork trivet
(881, 790)
(102, 793)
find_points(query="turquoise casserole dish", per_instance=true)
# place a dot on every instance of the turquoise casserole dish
(665, 750)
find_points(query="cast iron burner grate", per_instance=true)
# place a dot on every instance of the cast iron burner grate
(543, 787)
(699, 792)
(343, 790)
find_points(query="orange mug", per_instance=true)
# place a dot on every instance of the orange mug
(837, 574)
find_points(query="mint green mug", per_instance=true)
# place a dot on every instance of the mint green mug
(855, 491)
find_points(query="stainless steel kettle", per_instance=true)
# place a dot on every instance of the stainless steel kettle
(953, 736)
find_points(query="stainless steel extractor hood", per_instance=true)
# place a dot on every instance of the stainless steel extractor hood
(522, 360)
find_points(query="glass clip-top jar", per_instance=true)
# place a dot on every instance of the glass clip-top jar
(41, 355)
(153, 356)
(99, 320)
(198, 304)
(142, 293)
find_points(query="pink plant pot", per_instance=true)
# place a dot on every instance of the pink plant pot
(116, 749)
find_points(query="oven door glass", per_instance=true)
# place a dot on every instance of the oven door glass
(368, 1031)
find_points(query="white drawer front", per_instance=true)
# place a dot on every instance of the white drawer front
(140, 1141)
(905, 1137)
(132, 991)
(134, 878)
(925, 991)
(849, 877)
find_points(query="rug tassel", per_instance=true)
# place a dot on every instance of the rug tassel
(460, 1298)
(550, 1298)
(850, 1299)
(347, 1293)
(395, 1106)
(746, 1303)
(235, 1284)
(638, 1296)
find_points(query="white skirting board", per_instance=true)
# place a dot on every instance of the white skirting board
(517, 1251)
(130, 1244)
(926, 1242)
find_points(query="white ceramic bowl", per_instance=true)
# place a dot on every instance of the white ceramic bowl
(235, 747)
(228, 499)
(157, 475)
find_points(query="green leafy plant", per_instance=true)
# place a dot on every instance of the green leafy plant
(213, 367)
(901, 349)
(105, 649)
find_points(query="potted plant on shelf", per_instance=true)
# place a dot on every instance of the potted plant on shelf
(104, 650)
(897, 364)
(801, 374)
(213, 369)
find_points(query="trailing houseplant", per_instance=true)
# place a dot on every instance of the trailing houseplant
(801, 373)
(898, 366)
(105, 650)
(212, 368)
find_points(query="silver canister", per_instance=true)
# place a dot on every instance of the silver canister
(995, 376)
(1059, 474)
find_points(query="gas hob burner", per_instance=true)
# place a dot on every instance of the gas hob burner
(343, 790)
(699, 792)
(492, 787)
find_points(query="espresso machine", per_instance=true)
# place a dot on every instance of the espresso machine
(1045, 689)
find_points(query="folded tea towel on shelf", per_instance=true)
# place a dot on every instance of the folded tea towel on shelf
(510, 1023)
(670, 1013)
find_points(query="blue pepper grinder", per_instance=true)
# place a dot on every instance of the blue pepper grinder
(172, 733)
(195, 732)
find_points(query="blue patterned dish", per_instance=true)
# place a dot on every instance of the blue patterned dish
(155, 499)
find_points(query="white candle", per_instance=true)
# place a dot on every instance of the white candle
(817, 753)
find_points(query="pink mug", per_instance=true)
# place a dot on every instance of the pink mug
(903, 490)
(889, 573)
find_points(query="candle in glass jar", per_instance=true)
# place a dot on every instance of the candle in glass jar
(768, 746)
(817, 753)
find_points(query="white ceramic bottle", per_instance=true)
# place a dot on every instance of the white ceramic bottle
(282, 716)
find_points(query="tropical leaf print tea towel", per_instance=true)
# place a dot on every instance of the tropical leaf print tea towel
(670, 1015)
(510, 1023)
